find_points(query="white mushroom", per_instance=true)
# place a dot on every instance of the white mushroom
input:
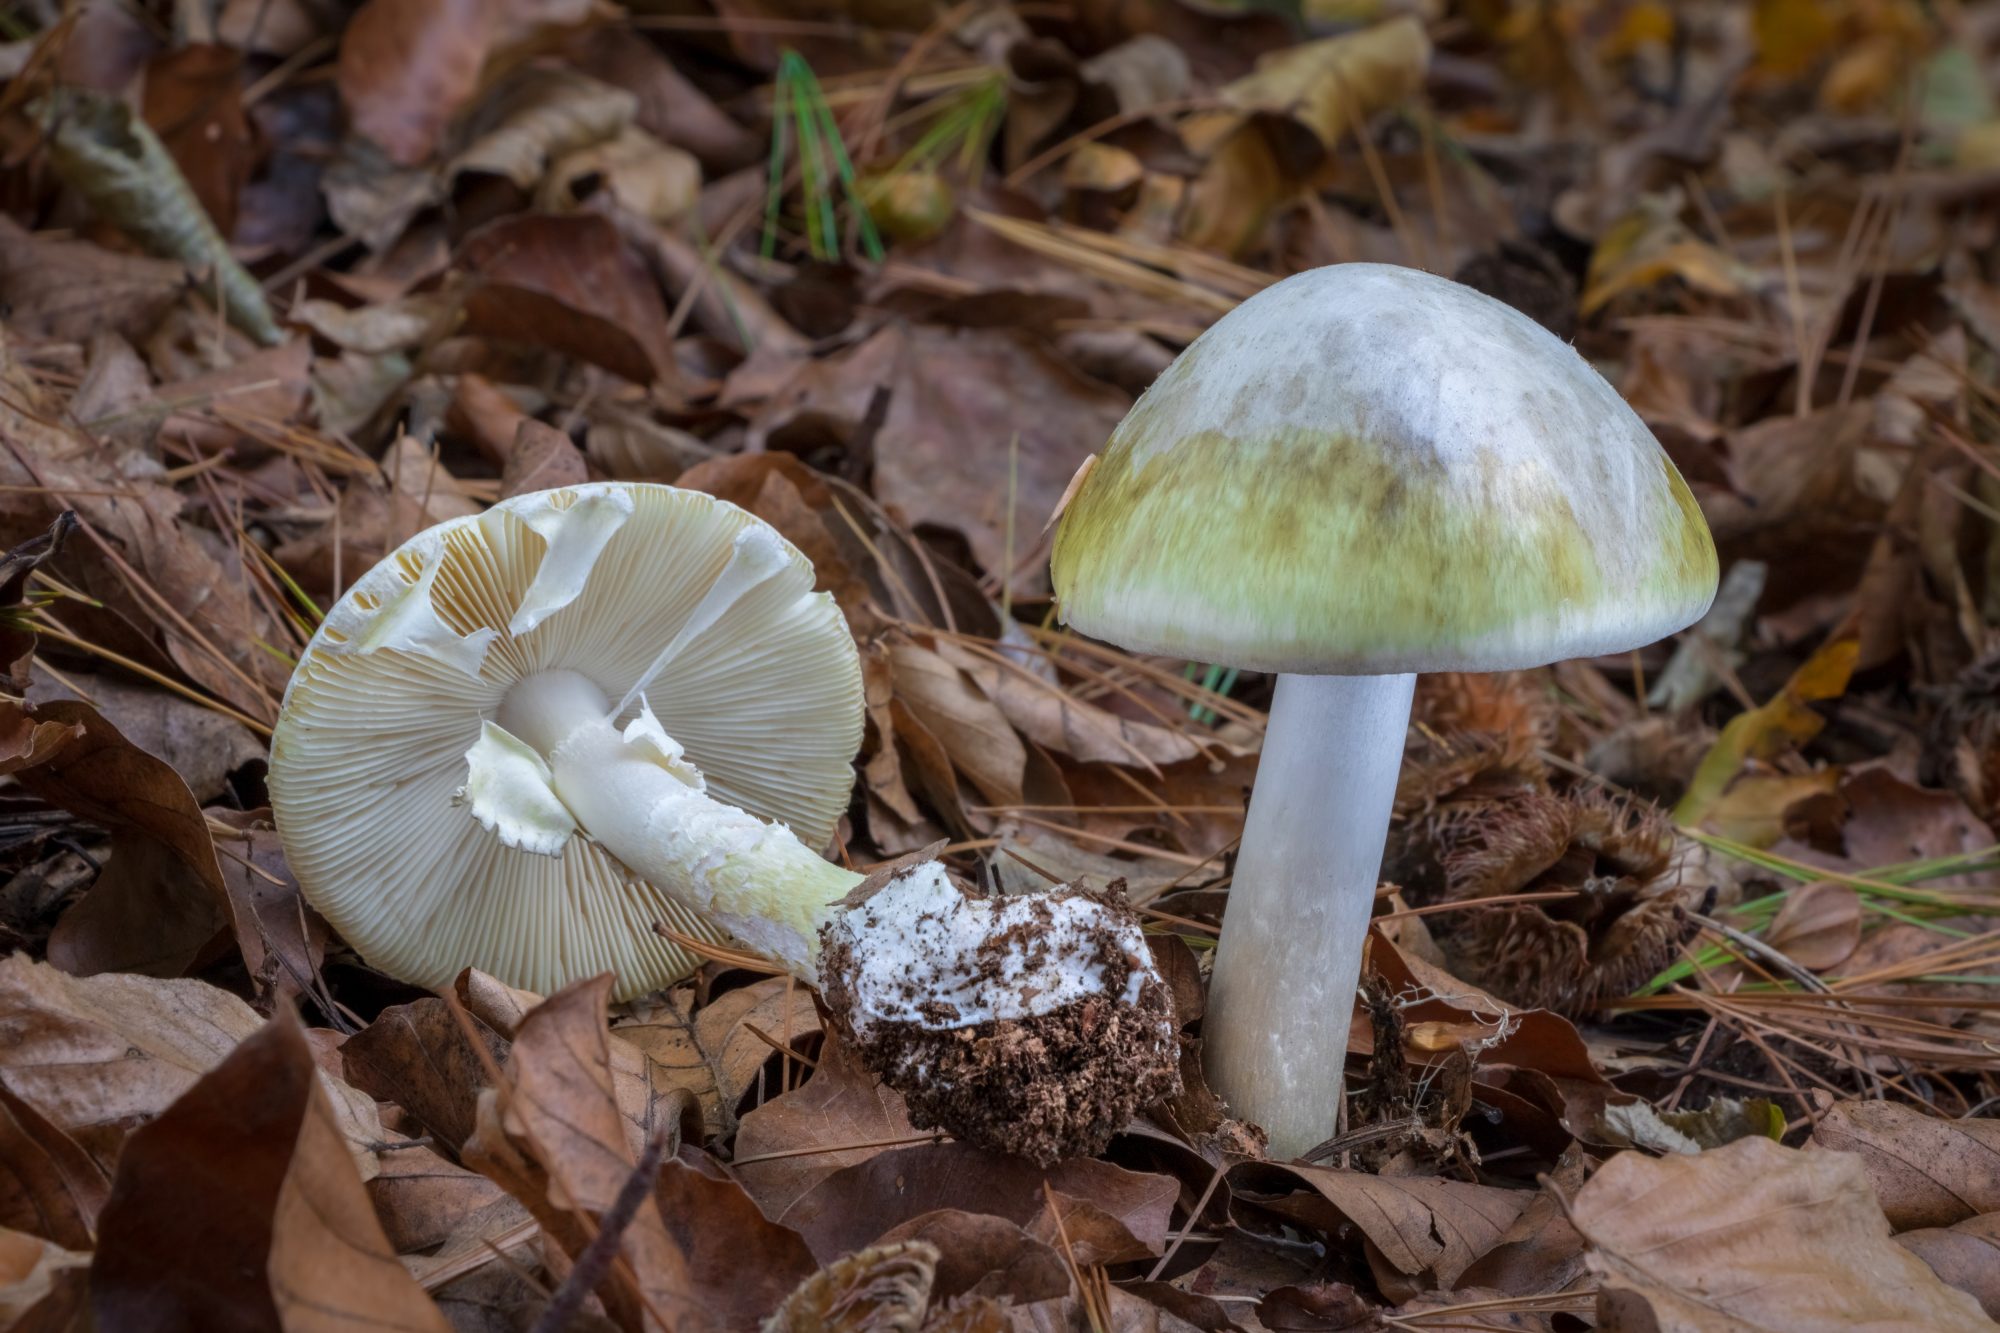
(1360, 473)
(415, 809)
(525, 737)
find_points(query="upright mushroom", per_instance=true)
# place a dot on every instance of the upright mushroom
(528, 735)
(1361, 473)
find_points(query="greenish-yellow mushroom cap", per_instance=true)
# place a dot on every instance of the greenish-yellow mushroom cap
(1368, 470)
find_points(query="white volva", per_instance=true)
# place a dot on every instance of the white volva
(927, 944)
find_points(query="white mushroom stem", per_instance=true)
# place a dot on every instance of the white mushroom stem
(634, 793)
(919, 951)
(1275, 1035)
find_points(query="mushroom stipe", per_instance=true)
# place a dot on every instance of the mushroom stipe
(527, 735)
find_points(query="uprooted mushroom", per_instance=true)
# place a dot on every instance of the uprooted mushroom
(527, 736)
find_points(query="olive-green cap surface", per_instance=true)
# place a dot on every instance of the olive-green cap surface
(1368, 470)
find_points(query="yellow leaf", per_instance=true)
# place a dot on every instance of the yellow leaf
(1643, 248)
(1753, 809)
(1978, 148)
(1648, 23)
(1330, 84)
(1781, 724)
(1792, 34)
(1866, 76)
(1102, 166)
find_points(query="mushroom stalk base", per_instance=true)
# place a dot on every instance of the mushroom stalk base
(1275, 1036)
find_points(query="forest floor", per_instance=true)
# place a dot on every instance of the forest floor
(1682, 1002)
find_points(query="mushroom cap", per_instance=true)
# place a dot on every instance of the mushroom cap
(1369, 470)
(370, 749)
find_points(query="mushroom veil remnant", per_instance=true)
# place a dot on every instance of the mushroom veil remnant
(526, 736)
(1361, 473)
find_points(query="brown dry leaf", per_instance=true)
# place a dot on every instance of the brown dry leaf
(1532, 1039)
(494, 1003)
(1102, 1226)
(1926, 1172)
(240, 1206)
(539, 114)
(1891, 821)
(1226, 208)
(193, 101)
(67, 289)
(1036, 858)
(852, 1206)
(1754, 1236)
(1794, 494)
(1818, 925)
(543, 459)
(100, 1055)
(160, 901)
(974, 732)
(198, 614)
(1422, 1228)
(632, 445)
(382, 327)
(1966, 1256)
(49, 1185)
(487, 415)
(867, 561)
(553, 1137)
(1217, 791)
(407, 67)
(423, 1200)
(234, 407)
(670, 105)
(712, 1053)
(942, 456)
(1757, 808)
(924, 758)
(1046, 714)
(726, 306)
(799, 503)
(417, 1056)
(202, 745)
(841, 1117)
(1102, 166)
(282, 939)
(375, 514)
(742, 1264)
(979, 1254)
(1541, 1251)
(571, 285)
(18, 638)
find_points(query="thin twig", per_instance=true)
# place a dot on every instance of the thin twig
(594, 1264)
